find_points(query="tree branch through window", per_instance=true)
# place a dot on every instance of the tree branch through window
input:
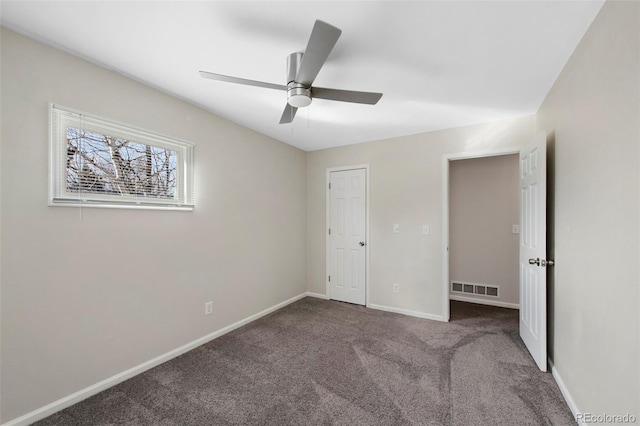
(104, 164)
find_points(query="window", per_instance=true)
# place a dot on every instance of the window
(99, 163)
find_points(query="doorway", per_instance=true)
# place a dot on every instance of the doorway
(484, 218)
(470, 271)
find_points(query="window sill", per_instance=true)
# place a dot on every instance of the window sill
(66, 202)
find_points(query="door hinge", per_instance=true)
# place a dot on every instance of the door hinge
(329, 231)
(329, 185)
(329, 278)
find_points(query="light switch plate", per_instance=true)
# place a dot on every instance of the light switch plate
(426, 230)
(396, 228)
(515, 229)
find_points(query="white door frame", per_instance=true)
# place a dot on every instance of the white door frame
(446, 159)
(366, 167)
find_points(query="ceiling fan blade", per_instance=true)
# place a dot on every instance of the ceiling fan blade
(229, 79)
(368, 98)
(323, 38)
(288, 114)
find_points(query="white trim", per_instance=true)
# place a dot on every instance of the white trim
(407, 312)
(389, 309)
(466, 155)
(484, 301)
(61, 117)
(82, 394)
(445, 238)
(445, 211)
(367, 169)
(318, 295)
(565, 393)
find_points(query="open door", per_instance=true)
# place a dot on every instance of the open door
(533, 248)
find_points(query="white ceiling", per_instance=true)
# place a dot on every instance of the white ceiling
(440, 64)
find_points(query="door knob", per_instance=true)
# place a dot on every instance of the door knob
(542, 262)
(362, 243)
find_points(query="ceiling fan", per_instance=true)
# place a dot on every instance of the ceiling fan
(302, 69)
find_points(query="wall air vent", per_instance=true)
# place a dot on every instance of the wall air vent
(475, 289)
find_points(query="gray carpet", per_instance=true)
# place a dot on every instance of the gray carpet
(319, 362)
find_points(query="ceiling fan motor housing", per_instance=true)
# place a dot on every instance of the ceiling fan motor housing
(298, 95)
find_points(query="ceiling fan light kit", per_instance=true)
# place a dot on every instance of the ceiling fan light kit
(298, 95)
(302, 69)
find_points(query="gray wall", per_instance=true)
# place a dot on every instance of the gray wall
(89, 293)
(406, 188)
(593, 118)
(483, 206)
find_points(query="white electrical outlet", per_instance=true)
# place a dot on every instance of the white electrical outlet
(208, 308)
(396, 288)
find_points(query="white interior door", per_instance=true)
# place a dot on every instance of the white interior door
(347, 231)
(533, 249)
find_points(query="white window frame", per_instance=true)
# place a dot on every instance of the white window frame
(60, 118)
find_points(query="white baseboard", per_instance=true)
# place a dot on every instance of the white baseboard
(389, 309)
(85, 393)
(318, 295)
(565, 393)
(484, 301)
(407, 312)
